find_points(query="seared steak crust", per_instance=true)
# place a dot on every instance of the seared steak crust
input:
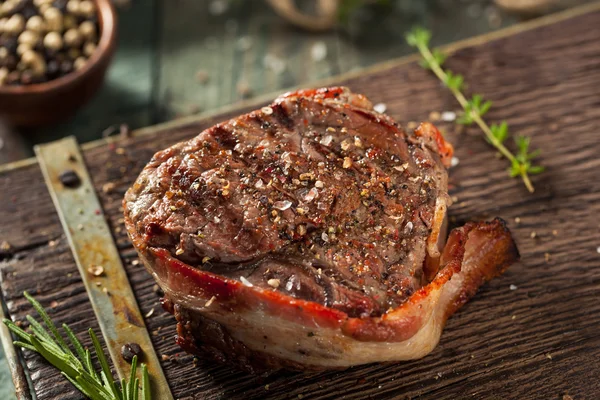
(316, 196)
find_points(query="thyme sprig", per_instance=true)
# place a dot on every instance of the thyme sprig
(77, 366)
(475, 108)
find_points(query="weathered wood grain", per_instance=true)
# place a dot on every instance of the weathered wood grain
(539, 341)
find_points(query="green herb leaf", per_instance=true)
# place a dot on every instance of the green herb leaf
(454, 82)
(475, 108)
(500, 132)
(536, 169)
(418, 37)
(78, 369)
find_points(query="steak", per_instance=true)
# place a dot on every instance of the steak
(309, 234)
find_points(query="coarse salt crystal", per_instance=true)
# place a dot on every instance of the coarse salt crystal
(408, 227)
(245, 281)
(282, 205)
(326, 141)
(319, 184)
(289, 284)
(310, 196)
(454, 161)
(380, 107)
(259, 184)
(513, 287)
(325, 237)
(216, 219)
(318, 51)
(448, 116)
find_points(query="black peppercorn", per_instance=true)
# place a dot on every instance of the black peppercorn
(10, 43)
(13, 78)
(69, 178)
(66, 67)
(129, 350)
(52, 69)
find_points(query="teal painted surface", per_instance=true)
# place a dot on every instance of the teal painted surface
(6, 385)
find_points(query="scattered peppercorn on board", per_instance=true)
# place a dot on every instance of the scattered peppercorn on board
(530, 334)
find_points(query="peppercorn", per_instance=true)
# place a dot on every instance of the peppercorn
(87, 8)
(23, 47)
(69, 178)
(129, 350)
(13, 78)
(52, 69)
(72, 38)
(53, 41)
(73, 6)
(79, 62)
(89, 48)
(15, 24)
(45, 39)
(54, 19)
(29, 37)
(87, 29)
(65, 67)
(36, 24)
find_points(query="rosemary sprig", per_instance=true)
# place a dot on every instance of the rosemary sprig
(78, 368)
(475, 108)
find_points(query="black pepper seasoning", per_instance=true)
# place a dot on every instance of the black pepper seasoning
(129, 350)
(69, 178)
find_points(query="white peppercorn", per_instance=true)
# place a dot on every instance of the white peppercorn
(87, 30)
(54, 19)
(87, 8)
(35, 61)
(7, 7)
(53, 41)
(73, 6)
(23, 47)
(41, 40)
(15, 24)
(72, 38)
(29, 37)
(35, 24)
(42, 9)
(79, 62)
(89, 48)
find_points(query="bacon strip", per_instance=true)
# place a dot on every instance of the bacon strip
(288, 332)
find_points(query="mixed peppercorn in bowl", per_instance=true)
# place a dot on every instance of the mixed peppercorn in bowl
(53, 57)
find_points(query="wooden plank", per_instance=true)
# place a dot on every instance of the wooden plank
(538, 341)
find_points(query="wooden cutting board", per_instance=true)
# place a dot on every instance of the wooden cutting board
(532, 334)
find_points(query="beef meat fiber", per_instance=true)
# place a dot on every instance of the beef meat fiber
(309, 234)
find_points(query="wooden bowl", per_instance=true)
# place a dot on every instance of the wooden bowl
(53, 101)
